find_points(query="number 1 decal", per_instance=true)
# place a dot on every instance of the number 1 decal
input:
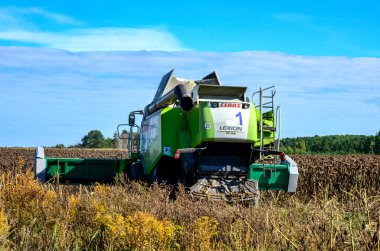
(240, 118)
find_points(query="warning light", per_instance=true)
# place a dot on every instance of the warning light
(177, 153)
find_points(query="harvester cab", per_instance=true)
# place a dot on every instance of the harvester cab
(208, 136)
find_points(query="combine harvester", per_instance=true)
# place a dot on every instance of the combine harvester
(207, 136)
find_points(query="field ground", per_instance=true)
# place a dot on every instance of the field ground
(337, 206)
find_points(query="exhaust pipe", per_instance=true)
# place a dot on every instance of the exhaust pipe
(177, 93)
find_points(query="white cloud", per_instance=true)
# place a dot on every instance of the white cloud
(293, 17)
(20, 15)
(59, 18)
(20, 25)
(100, 39)
(48, 89)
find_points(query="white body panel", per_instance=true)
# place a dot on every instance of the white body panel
(231, 122)
(293, 175)
(40, 164)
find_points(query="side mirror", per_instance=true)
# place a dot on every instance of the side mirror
(131, 119)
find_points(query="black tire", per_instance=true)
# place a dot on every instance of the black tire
(154, 177)
(188, 180)
(136, 171)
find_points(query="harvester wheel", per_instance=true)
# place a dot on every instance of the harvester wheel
(159, 178)
(136, 171)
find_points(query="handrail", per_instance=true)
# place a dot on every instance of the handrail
(278, 126)
(267, 88)
(261, 121)
(131, 140)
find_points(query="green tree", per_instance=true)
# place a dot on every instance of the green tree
(333, 144)
(376, 147)
(301, 146)
(108, 143)
(369, 145)
(93, 139)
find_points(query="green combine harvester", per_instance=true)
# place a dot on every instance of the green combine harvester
(209, 137)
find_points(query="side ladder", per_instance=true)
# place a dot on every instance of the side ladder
(267, 113)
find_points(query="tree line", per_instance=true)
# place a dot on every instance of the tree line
(332, 144)
(96, 139)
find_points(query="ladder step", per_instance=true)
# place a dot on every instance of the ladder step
(269, 128)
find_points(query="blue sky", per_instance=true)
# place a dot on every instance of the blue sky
(71, 66)
(313, 28)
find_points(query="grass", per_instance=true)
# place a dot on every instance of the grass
(133, 216)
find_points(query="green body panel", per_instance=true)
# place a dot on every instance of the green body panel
(85, 169)
(194, 124)
(252, 128)
(179, 129)
(205, 116)
(267, 121)
(174, 130)
(198, 117)
(269, 176)
(170, 133)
